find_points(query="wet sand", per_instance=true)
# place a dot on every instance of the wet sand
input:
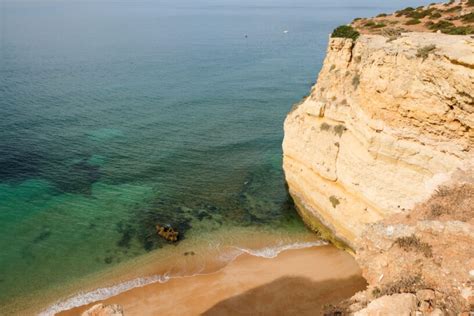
(296, 282)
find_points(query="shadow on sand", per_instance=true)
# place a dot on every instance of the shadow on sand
(289, 296)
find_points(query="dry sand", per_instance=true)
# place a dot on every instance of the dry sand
(297, 282)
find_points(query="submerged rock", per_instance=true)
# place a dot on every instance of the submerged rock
(167, 232)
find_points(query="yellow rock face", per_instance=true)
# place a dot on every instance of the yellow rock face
(381, 129)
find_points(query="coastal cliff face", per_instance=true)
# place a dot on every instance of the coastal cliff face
(389, 120)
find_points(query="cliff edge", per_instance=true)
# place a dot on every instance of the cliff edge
(379, 159)
(387, 122)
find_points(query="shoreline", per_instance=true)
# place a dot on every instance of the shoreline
(303, 280)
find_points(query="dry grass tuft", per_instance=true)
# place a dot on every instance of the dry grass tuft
(409, 284)
(413, 243)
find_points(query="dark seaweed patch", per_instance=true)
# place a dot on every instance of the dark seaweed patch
(18, 165)
(78, 178)
(108, 260)
(203, 215)
(127, 232)
(42, 236)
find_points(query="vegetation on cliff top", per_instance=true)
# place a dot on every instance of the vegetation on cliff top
(455, 18)
(345, 31)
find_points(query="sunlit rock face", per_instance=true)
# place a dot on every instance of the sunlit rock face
(382, 128)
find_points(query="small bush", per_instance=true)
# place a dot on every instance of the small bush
(470, 3)
(409, 284)
(435, 15)
(339, 129)
(332, 67)
(454, 9)
(413, 243)
(419, 14)
(423, 52)
(334, 201)
(441, 25)
(468, 17)
(382, 15)
(370, 24)
(356, 81)
(404, 11)
(460, 30)
(379, 25)
(325, 127)
(391, 33)
(413, 22)
(345, 31)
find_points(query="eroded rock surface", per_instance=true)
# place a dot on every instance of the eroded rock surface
(383, 127)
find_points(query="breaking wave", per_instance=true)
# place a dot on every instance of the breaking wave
(106, 292)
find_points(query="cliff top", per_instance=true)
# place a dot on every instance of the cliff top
(453, 17)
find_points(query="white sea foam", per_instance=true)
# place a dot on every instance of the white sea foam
(106, 292)
(272, 252)
(101, 294)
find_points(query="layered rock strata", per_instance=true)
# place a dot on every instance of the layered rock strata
(389, 120)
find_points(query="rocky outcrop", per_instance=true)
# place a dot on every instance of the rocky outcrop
(388, 121)
(104, 310)
(427, 253)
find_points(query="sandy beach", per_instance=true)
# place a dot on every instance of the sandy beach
(296, 282)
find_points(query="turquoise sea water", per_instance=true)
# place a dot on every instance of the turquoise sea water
(117, 115)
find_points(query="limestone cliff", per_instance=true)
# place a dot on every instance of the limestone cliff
(389, 120)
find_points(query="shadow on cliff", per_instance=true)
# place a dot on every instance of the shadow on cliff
(289, 296)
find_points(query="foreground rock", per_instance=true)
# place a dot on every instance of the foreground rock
(428, 253)
(104, 310)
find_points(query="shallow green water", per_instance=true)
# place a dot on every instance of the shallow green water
(117, 115)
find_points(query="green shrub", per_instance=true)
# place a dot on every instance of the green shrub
(470, 3)
(381, 15)
(454, 9)
(441, 25)
(449, 28)
(435, 15)
(345, 31)
(370, 24)
(404, 11)
(413, 22)
(468, 17)
(460, 30)
(379, 25)
(420, 14)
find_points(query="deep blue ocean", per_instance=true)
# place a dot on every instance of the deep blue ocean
(118, 115)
